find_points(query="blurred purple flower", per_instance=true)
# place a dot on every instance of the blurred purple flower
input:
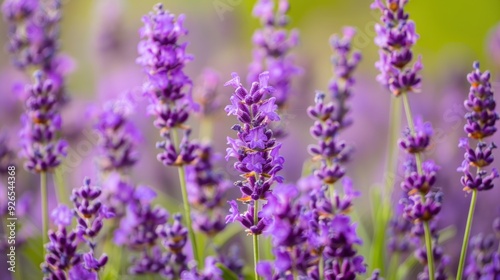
(41, 123)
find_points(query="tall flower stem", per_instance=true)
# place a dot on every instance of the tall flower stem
(187, 207)
(256, 239)
(468, 226)
(418, 161)
(45, 212)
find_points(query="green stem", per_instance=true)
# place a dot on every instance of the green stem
(187, 211)
(418, 161)
(187, 207)
(393, 267)
(321, 266)
(256, 239)
(468, 226)
(206, 128)
(45, 212)
(61, 192)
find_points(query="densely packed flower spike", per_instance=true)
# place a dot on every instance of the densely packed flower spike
(207, 190)
(169, 91)
(288, 231)
(137, 231)
(41, 124)
(62, 253)
(62, 260)
(395, 37)
(34, 39)
(90, 216)
(168, 87)
(481, 118)
(175, 237)
(256, 152)
(118, 138)
(272, 46)
(345, 62)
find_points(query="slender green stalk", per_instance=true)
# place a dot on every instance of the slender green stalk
(393, 266)
(61, 191)
(468, 226)
(185, 202)
(321, 266)
(418, 161)
(187, 211)
(256, 239)
(206, 128)
(45, 212)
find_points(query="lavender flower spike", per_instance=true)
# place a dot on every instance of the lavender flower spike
(256, 152)
(169, 90)
(62, 253)
(395, 37)
(34, 35)
(118, 137)
(481, 118)
(272, 46)
(255, 149)
(90, 216)
(41, 124)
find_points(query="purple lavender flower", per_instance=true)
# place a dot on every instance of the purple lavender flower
(90, 216)
(207, 188)
(175, 237)
(168, 87)
(288, 231)
(481, 120)
(345, 62)
(62, 252)
(34, 34)
(118, 138)
(255, 149)
(41, 123)
(272, 46)
(396, 36)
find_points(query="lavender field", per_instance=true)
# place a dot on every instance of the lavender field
(264, 139)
